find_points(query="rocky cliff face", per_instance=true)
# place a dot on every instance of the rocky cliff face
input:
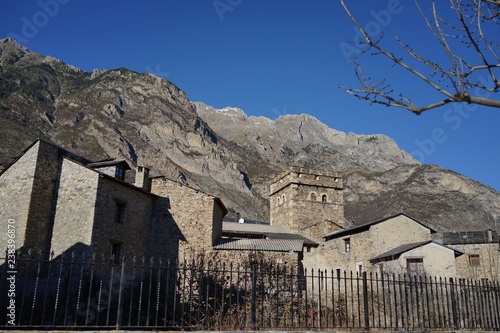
(149, 121)
(304, 140)
(118, 113)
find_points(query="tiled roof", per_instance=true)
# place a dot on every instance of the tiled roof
(253, 230)
(277, 245)
(397, 251)
(470, 237)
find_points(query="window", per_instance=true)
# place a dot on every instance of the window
(360, 269)
(347, 244)
(337, 273)
(415, 266)
(120, 211)
(313, 196)
(323, 198)
(119, 173)
(115, 253)
(474, 260)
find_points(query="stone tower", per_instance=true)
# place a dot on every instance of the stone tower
(308, 201)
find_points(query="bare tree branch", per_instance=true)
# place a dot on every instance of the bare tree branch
(470, 17)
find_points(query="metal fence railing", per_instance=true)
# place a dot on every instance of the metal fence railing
(75, 292)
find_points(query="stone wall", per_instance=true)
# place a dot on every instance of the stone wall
(289, 259)
(396, 231)
(133, 232)
(486, 266)
(195, 213)
(75, 210)
(16, 185)
(43, 198)
(31, 196)
(379, 238)
(436, 260)
(307, 201)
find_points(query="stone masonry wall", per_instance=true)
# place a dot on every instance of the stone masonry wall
(489, 261)
(437, 261)
(308, 201)
(397, 231)
(75, 211)
(134, 233)
(380, 238)
(16, 186)
(289, 259)
(43, 198)
(192, 211)
(30, 195)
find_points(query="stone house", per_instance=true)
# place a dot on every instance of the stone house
(481, 250)
(422, 258)
(396, 244)
(61, 202)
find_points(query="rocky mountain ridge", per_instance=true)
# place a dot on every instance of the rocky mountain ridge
(304, 140)
(149, 121)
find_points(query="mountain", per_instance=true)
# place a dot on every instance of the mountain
(149, 121)
(304, 140)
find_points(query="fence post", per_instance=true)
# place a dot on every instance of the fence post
(120, 298)
(365, 301)
(453, 304)
(254, 295)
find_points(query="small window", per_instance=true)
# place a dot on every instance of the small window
(323, 198)
(337, 273)
(415, 266)
(278, 201)
(115, 253)
(313, 196)
(360, 269)
(347, 244)
(284, 198)
(474, 260)
(120, 211)
(119, 173)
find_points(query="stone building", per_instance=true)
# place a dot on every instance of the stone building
(297, 192)
(481, 250)
(397, 244)
(191, 223)
(64, 203)
(61, 202)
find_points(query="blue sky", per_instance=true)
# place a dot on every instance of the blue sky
(268, 58)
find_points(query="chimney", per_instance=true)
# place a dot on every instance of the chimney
(142, 178)
(490, 236)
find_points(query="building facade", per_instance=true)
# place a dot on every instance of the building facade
(62, 203)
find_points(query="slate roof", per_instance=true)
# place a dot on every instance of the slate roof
(122, 163)
(399, 250)
(277, 245)
(469, 237)
(261, 231)
(363, 227)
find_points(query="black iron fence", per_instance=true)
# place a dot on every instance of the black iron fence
(75, 292)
